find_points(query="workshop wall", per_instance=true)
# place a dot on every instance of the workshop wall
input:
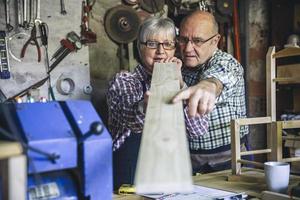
(71, 77)
(103, 59)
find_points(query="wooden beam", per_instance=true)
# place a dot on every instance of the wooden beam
(287, 52)
(290, 124)
(253, 121)
(257, 164)
(8, 149)
(14, 178)
(164, 164)
(235, 147)
(270, 84)
(261, 151)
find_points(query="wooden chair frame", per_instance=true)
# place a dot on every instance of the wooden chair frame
(274, 128)
(274, 147)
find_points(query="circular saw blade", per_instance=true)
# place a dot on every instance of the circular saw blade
(152, 6)
(121, 24)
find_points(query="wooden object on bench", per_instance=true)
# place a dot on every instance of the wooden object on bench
(164, 164)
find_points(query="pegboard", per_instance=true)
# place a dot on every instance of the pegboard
(29, 71)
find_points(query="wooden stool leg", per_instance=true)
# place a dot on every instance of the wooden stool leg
(235, 148)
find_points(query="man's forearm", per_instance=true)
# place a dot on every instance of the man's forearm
(213, 82)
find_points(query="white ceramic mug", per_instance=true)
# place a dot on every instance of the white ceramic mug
(277, 176)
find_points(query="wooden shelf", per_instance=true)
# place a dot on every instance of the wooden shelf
(9, 149)
(287, 80)
(287, 52)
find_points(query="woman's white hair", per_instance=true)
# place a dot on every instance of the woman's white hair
(153, 26)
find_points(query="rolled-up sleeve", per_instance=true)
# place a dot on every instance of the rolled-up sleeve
(228, 72)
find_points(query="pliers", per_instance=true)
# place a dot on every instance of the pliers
(32, 40)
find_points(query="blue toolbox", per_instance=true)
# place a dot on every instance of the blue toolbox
(68, 148)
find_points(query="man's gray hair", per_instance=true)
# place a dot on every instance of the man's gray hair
(153, 26)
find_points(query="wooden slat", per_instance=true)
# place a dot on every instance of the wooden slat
(254, 152)
(294, 138)
(285, 71)
(290, 124)
(253, 121)
(14, 178)
(276, 141)
(287, 52)
(268, 195)
(235, 147)
(164, 164)
(257, 164)
(291, 80)
(293, 159)
(8, 149)
(270, 84)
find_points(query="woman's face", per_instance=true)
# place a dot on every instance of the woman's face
(157, 48)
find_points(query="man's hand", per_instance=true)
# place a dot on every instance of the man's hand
(202, 97)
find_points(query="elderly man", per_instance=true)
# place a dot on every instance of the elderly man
(126, 92)
(216, 87)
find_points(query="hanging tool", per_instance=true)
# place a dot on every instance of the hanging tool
(62, 7)
(4, 61)
(68, 45)
(20, 13)
(32, 39)
(121, 24)
(25, 18)
(38, 12)
(9, 27)
(87, 35)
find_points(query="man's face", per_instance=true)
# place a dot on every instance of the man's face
(196, 42)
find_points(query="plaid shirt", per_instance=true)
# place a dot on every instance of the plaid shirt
(230, 104)
(125, 92)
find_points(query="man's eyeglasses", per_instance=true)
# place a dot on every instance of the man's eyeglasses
(196, 41)
(167, 45)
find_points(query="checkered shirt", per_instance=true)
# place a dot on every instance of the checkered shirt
(126, 90)
(230, 104)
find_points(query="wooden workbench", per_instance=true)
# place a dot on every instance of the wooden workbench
(253, 185)
(13, 171)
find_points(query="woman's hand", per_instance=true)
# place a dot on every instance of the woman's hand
(178, 67)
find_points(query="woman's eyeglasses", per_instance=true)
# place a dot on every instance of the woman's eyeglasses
(196, 41)
(167, 45)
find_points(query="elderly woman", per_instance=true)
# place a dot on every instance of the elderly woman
(127, 92)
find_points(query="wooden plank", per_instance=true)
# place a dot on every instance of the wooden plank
(253, 121)
(290, 124)
(14, 178)
(164, 164)
(287, 52)
(8, 149)
(293, 159)
(270, 84)
(291, 80)
(268, 195)
(247, 162)
(277, 142)
(235, 147)
(292, 70)
(260, 151)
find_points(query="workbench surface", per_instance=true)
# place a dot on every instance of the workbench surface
(252, 183)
